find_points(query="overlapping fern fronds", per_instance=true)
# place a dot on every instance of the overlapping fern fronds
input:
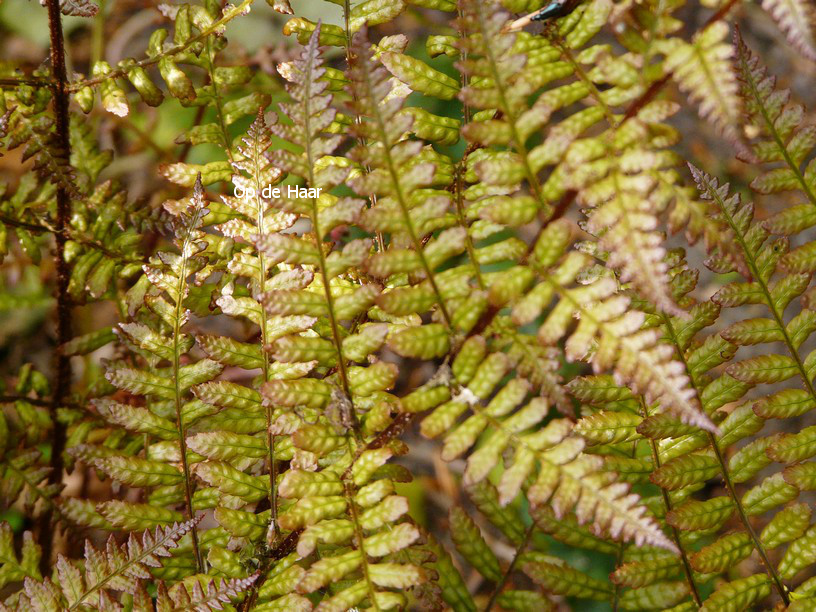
(470, 240)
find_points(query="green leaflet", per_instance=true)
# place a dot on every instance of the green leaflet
(790, 448)
(471, 545)
(660, 596)
(789, 524)
(423, 342)
(686, 470)
(139, 472)
(722, 554)
(739, 594)
(643, 573)
(564, 580)
(798, 555)
(764, 369)
(231, 481)
(695, 515)
(609, 427)
(419, 76)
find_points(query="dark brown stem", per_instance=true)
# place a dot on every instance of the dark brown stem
(62, 363)
(721, 12)
(519, 551)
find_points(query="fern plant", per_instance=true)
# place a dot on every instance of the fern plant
(406, 311)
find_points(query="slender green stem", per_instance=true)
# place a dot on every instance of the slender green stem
(780, 587)
(98, 34)
(218, 101)
(617, 590)
(258, 161)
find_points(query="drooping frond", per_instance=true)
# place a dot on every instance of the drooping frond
(704, 70)
(797, 19)
(551, 458)
(609, 332)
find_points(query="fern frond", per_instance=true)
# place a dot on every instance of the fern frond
(609, 333)
(761, 259)
(797, 19)
(77, 8)
(499, 84)
(25, 427)
(563, 476)
(311, 114)
(782, 138)
(113, 569)
(351, 508)
(622, 186)
(29, 127)
(398, 171)
(704, 70)
(218, 593)
(159, 338)
(14, 568)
